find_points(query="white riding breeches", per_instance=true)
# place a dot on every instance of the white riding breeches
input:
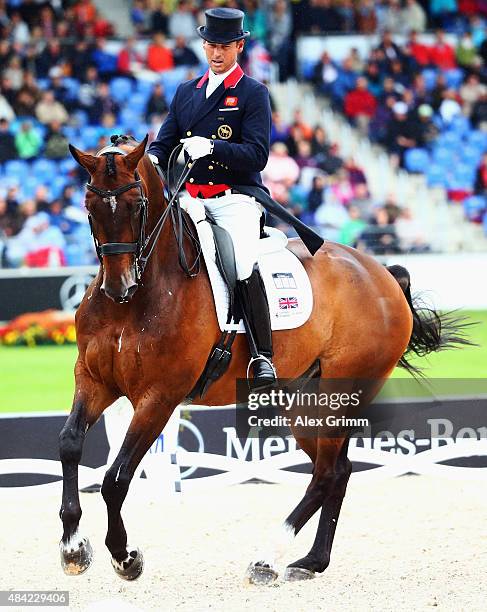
(240, 215)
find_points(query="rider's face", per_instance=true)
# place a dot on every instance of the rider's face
(222, 57)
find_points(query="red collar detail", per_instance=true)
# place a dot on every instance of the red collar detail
(234, 77)
(231, 81)
(203, 80)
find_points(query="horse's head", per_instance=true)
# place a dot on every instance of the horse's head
(117, 207)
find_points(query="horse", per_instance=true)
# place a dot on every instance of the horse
(146, 334)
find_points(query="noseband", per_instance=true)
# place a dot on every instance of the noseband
(110, 197)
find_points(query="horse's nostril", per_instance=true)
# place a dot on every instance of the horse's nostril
(131, 290)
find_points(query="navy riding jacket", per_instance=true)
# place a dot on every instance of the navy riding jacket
(236, 116)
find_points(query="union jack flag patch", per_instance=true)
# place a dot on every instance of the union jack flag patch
(231, 101)
(287, 303)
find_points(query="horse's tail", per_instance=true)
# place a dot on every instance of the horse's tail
(432, 331)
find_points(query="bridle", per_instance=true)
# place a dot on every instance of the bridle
(144, 242)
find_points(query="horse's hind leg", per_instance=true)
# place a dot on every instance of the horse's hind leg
(90, 401)
(331, 486)
(147, 423)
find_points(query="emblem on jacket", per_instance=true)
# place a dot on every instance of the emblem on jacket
(231, 101)
(224, 131)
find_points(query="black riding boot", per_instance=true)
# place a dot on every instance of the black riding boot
(254, 303)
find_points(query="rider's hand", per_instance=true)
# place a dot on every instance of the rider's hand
(153, 159)
(197, 146)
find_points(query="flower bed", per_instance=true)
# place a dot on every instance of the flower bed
(53, 327)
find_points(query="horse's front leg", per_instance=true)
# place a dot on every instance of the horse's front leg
(147, 423)
(90, 399)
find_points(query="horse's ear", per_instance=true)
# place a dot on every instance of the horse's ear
(84, 159)
(133, 158)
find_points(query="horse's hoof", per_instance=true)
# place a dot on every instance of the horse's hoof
(75, 562)
(261, 574)
(132, 567)
(294, 574)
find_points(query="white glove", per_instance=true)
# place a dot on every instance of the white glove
(153, 159)
(197, 146)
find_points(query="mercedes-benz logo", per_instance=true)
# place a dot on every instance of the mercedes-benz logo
(73, 290)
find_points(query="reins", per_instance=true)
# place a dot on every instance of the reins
(173, 208)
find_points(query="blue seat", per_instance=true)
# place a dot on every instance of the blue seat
(449, 140)
(144, 87)
(139, 131)
(29, 185)
(138, 102)
(67, 165)
(45, 169)
(89, 136)
(58, 184)
(72, 85)
(463, 176)
(477, 139)
(129, 118)
(454, 78)
(429, 75)
(460, 125)
(474, 207)
(16, 168)
(121, 89)
(80, 118)
(436, 175)
(470, 155)
(484, 223)
(444, 156)
(416, 160)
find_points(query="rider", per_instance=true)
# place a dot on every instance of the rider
(224, 121)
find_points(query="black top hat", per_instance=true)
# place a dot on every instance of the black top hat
(223, 25)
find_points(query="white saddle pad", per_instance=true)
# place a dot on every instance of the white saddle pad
(287, 285)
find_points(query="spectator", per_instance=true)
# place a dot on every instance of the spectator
(317, 193)
(362, 200)
(80, 58)
(325, 74)
(279, 38)
(15, 73)
(410, 233)
(159, 57)
(27, 141)
(6, 111)
(418, 50)
(442, 55)
(471, 90)
(380, 236)
(9, 220)
(352, 228)
(56, 142)
(479, 113)
(341, 187)
(322, 16)
(85, 16)
(47, 23)
(466, 52)
(389, 48)
(413, 16)
(480, 186)
(182, 54)
(392, 18)
(442, 11)
(19, 30)
(140, 16)
(52, 55)
(428, 132)
(255, 21)
(103, 104)
(356, 175)
(58, 218)
(360, 105)
(105, 62)
(157, 103)
(38, 243)
(366, 17)
(7, 142)
(450, 107)
(279, 129)
(159, 21)
(182, 21)
(129, 60)
(49, 109)
(304, 157)
(281, 171)
(402, 133)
